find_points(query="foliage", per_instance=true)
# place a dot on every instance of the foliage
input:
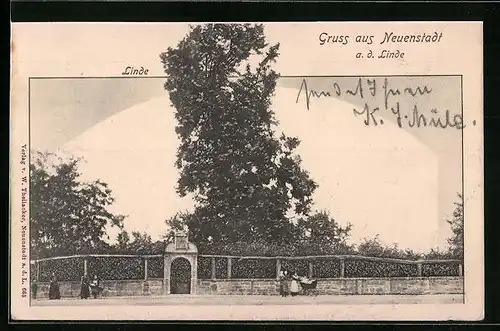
(116, 268)
(67, 215)
(363, 268)
(436, 254)
(63, 269)
(139, 244)
(374, 247)
(119, 268)
(253, 269)
(204, 267)
(319, 234)
(177, 223)
(155, 267)
(326, 268)
(456, 241)
(243, 178)
(322, 234)
(440, 269)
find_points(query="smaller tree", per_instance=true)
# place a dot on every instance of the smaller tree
(138, 243)
(374, 247)
(180, 222)
(456, 241)
(437, 254)
(67, 215)
(123, 241)
(322, 234)
(371, 247)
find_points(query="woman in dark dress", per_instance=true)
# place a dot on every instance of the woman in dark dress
(54, 293)
(34, 288)
(85, 287)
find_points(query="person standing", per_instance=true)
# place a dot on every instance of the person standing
(34, 288)
(85, 287)
(283, 283)
(54, 293)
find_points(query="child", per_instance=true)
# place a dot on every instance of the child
(283, 283)
(295, 285)
(95, 286)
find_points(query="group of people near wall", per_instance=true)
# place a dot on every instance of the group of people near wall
(290, 282)
(90, 287)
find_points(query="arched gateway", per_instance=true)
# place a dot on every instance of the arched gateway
(181, 266)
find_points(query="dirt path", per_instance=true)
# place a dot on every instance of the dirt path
(225, 300)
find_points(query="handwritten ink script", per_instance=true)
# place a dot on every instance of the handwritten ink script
(388, 39)
(24, 222)
(381, 97)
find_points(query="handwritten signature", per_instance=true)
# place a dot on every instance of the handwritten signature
(415, 120)
(369, 91)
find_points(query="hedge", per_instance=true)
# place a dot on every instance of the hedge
(116, 268)
(63, 269)
(122, 268)
(326, 268)
(440, 269)
(204, 267)
(155, 267)
(361, 268)
(253, 268)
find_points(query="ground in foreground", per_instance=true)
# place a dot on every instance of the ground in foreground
(224, 300)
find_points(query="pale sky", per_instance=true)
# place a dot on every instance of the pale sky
(384, 181)
(398, 183)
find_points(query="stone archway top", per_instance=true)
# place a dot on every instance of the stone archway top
(189, 249)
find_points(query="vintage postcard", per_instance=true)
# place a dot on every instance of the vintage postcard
(247, 171)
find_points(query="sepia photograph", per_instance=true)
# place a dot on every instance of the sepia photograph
(211, 177)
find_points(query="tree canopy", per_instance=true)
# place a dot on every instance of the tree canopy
(248, 184)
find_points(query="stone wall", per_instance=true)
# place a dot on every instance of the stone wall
(238, 286)
(332, 286)
(111, 288)
(338, 286)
